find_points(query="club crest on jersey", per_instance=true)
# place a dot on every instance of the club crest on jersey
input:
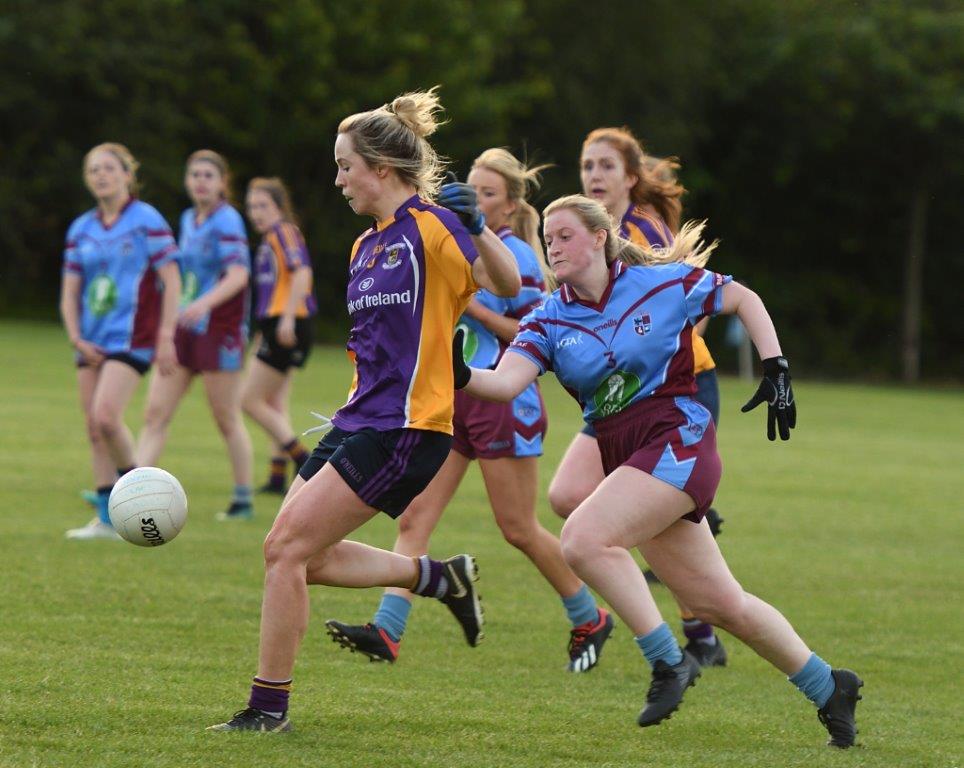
(393, 256)
(615, 392)
(642, 324)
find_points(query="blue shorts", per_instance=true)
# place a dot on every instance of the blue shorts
(386, 469)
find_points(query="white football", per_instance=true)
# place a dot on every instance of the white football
(148, 507)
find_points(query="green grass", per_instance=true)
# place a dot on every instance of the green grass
(112, 655)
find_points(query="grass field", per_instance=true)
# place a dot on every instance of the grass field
(112, 655)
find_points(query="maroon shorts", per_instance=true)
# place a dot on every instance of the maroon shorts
(487, 430)
(215, 350)
(672, 439)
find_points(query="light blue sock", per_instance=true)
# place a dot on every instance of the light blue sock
(581, 607)
(392, 615)
(103, 496)
(660, 645)
(242, 495)
(814, 680)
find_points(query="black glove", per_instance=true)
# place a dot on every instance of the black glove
(461, 199)
(776, 392)
(462, 372)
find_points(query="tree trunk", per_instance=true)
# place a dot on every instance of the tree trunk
(913, 282)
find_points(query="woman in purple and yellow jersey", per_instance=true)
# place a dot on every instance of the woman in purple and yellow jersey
(506, 438)
(118, 300)
(411, 275)
(284, 306)
(212, 326)
(642, 195)
(618, 336)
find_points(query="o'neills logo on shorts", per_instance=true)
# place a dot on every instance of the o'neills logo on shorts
(379, 300)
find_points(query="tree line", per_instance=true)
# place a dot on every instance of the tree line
(820, 138)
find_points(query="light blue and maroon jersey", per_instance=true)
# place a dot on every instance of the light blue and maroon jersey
(207, 250)
(482, 348)
(410, 279)
(121, 292)
(648, 229)
(644, 228)
(281, 252)
(637, 342)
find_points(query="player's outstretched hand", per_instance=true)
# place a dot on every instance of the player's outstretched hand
(461, 199)
(776, 392)
(462, 372)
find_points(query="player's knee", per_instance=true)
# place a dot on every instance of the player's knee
(563, 499)
(228, 421)
(520, 534)
(251, 403)
(721, 608)
(578, 545)
(106, 423)
(278, 548)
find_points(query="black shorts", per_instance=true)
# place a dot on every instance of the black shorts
(282, 358)
(386, 470)
(139, 365)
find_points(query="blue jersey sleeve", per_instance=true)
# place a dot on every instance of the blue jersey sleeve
(161, 246)
(533, 341)
(72, 263)
(703, 294)
(232, 240)
(533, 284)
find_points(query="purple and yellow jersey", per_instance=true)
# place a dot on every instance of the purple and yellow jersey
(281, 252)
(207, 250)
(645, 228)
(121, 292)
(482, 348)
(410, 279)
(635, 343)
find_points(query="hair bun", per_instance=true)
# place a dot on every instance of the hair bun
(417, 111)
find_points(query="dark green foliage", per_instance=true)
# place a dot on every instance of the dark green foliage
(805, 129)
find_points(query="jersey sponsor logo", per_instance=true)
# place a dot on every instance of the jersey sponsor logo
(615, 392)
(470, 341)
(365, 284)
(569, 341)
(642, 324)
(101, 295)
(393, 255)
(189, 288)
(379, 300)
(610, 323)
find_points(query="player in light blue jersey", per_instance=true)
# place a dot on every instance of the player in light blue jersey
(642, 196)
(213, 324)
(619, 338)
(506, 438)
(119, 296)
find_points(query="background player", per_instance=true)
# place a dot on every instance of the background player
(118, 301)
(284, 306)
(410, 277)
(658, 445)
(212, 326)
(506, 438)
(644, 196)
